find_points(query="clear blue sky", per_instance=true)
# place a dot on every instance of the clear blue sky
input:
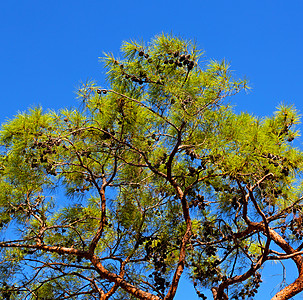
(48, 47)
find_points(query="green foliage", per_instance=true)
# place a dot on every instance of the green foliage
(153, 177)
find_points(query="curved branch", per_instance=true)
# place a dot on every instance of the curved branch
(131, 289)
(99, 232)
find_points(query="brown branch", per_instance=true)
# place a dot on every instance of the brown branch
(99, 232)
(56, 249)
(131, 289)
(281, 256)
(260, 212)
(174, 151)
(181, 263)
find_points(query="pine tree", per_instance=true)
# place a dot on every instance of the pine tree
(155, 177)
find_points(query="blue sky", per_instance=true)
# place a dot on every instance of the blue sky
(49, 47)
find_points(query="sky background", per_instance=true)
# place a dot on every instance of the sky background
(49, 47)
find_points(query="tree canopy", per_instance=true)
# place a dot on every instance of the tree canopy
(152, 178)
